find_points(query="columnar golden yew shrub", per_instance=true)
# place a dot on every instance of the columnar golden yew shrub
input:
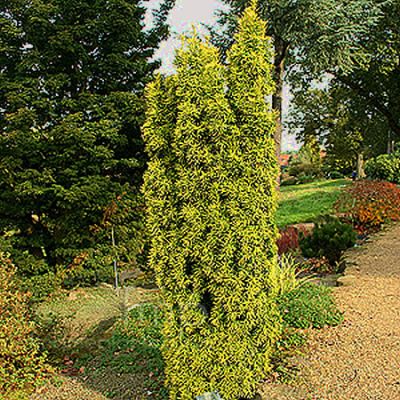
(22, 367)
(210, 191)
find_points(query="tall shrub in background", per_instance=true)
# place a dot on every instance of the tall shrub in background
(384, 167)
(308, 164)
(210, 192)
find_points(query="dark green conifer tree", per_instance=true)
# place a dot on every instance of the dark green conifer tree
(72, 78)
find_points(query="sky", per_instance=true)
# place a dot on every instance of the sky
(188, 13)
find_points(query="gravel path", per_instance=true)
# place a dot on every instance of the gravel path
(359, 360)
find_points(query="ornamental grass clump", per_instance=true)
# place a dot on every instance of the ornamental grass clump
(211, 201)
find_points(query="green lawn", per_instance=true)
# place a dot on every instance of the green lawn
(303, 203)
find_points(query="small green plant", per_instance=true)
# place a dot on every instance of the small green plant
(329, 239)
(309, 306)
(34, 274)
(287, 274)
(41, 287)
(335, 175)
(134, 347)
(288, 270)
(287, 180)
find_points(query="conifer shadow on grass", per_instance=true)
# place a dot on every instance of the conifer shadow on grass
(120, 358)
(129, 362)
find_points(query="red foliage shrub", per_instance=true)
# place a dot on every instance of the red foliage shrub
(369, 204)
(289, 238)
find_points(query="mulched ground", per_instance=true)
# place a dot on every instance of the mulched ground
(67, 389)
(359, 360)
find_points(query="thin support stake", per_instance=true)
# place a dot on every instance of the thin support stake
(115, 260)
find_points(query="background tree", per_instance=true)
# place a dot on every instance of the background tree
(377, 83)
(344, 124)
(309, 38)
(210, 191)
(72, 78)
(357, 113)
(308, 164)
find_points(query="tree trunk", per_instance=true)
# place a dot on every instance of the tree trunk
(277, 98)
(360, 166)
(390, 144)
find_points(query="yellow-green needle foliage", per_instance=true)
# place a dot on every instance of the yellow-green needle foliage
(210, 191)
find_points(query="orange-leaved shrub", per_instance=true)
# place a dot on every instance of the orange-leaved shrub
(22, 366)
(370, 204)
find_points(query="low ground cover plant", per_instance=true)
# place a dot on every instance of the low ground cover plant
(370, 204)
(309, 306)
(305, 307)
(317, 265)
